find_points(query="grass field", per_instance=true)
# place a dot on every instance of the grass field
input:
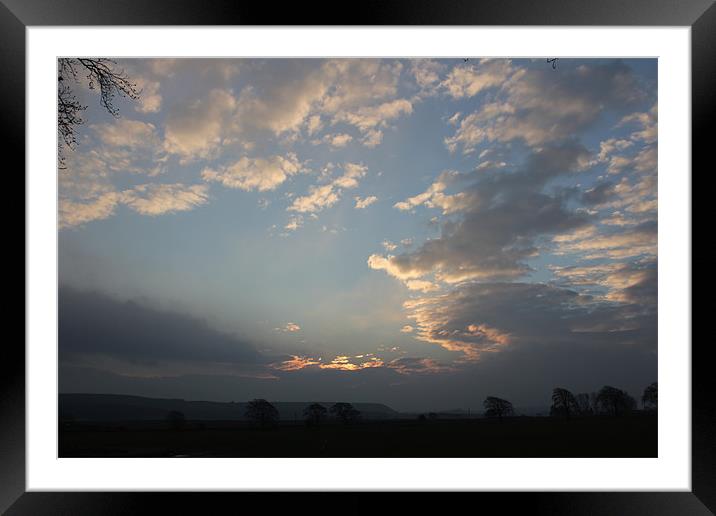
(632, 436)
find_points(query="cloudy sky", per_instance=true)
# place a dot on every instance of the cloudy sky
(421, 233)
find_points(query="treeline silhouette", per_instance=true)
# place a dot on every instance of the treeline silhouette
(263, 414)
(608, 401)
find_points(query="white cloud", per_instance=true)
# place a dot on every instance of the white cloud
(125, 146)
(611, 145)
(163, 67)
(337, 91)
(283, 106)
(86, 188)
(469, 80)
(197, 129)
(282, 102)
(359, 82)
(646, 122)
(372, 138)
(639, 240)
(313, 124)
(74, 214)
(453, 120)
(150, 99)
(538, 106)
(434, 196)
(157, 199)
(352, 172)
(261, 174)
(369, 117)
(320, 197)
(426, 73)
(87, 175)
(294, 223)
(365, 202)
(145, 199)
(491, 164)
(336, 140)
(127, 133)
(388, 264)
(389, 246)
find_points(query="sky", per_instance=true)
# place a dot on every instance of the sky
(416, 232)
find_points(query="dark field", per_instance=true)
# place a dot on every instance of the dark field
(632, 436)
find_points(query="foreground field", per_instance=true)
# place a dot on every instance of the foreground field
(634, 436)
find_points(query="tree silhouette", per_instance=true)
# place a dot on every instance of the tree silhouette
(262, 413)
(345, 412)
(650, 398)
(315, 413)
(584, 404)
(99, 72)
(614, 402)
(497, 407)
(563, 403)
(176, 420)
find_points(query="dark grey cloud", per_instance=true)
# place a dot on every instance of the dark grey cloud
(582, 91)
(599, 194)
(93, 326)
(412, 365)
(556, 339)
(535, 315)
(616, 242)
(539, 105)
(525, 375)
(505, 214)
(634, 283)
(645, 290)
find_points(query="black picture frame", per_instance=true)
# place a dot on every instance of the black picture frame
(16, 15)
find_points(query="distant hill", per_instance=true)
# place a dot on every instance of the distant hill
(528, 410)
(117, 407)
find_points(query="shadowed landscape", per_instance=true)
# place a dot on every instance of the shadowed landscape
(128, 426)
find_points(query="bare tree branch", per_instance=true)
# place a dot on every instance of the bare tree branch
(100, 72)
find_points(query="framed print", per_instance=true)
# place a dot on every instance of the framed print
(424, 249)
